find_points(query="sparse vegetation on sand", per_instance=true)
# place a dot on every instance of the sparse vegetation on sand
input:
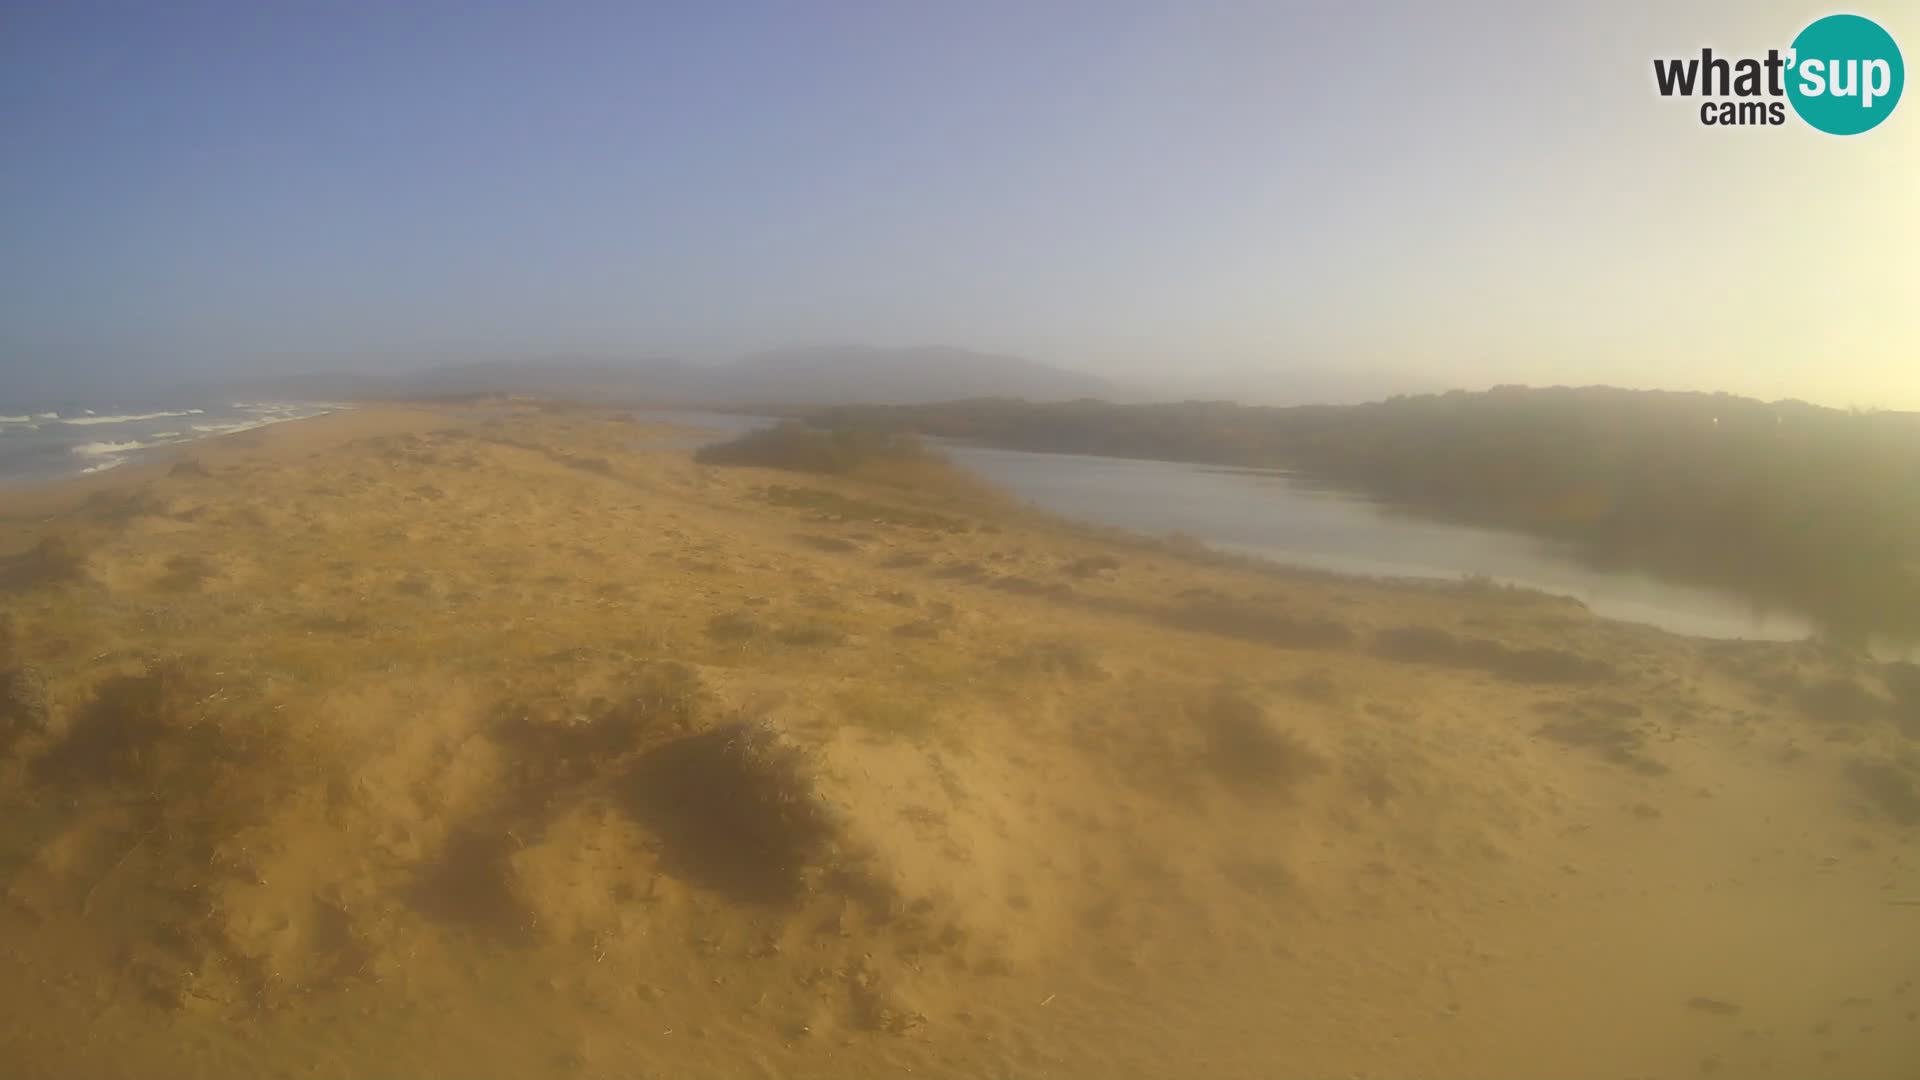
(509, 741)
(1809, 508)
(1245, 747)
(833, 506)
(797, 447)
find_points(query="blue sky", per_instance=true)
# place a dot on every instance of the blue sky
(1470, 196)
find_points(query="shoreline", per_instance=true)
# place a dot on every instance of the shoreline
(31, 504)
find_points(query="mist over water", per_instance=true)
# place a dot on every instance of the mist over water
(77, 441)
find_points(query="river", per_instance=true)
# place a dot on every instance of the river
(1271, 514)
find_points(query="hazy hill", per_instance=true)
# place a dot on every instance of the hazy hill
(1281, 384)
(850, 374)
(864, 374)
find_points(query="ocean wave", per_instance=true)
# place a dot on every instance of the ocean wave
(16, 419)
(112, 462)
(242, 425)
(46, 416)
(289, 406)
(97, 449)
(101, 449)
(128, 418)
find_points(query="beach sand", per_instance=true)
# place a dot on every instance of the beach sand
(512, 742)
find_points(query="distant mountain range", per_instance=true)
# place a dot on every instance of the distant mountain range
(794, 377)
(805, 376)
(1278, 385)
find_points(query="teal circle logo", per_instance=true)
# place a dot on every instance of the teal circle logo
(1845, 74)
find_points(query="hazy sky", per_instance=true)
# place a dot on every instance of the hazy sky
(1469, 196)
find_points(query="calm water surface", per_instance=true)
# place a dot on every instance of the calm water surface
(1272, 515)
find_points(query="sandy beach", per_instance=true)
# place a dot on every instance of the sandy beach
(511, 742)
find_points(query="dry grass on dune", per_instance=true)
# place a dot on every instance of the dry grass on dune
(512, 741)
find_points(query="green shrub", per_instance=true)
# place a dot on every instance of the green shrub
(800, 448)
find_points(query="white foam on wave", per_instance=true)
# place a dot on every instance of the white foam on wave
(127, 418)
(242, 425)
(46, 416)
(16, 419)
(109, 453)
(101, 449)
(97, 449)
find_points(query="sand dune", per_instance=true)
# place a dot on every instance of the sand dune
(514, 743)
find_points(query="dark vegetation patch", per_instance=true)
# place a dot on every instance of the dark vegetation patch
(186, 573)
(559, 749)
(1316, 686)
(117, 505)
(1432, 645)
(24, 706)
(837, 507)
(1261, 624)
(735, 809)
(1089, 565)
(1263, 877)
(904, 560)
(1607, 728)
(734, 627)
(419, 584)
(174, 744)
(886, 713)
(128, 716)
(800, 448)
(1833, 700)
(329, 623)
(1057, 656)
(1246, 749)
(1022, 586)
(557, 738)
(822, 601)
(584, 462)
(165, 768)
(1891, 789)
(467, 884)
(1903, 682)
(57, 559)
(827, 543)
(921, 629)
(405, 450)
(811, 633)
(962, 570)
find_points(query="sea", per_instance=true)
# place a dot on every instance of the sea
(42, 446)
